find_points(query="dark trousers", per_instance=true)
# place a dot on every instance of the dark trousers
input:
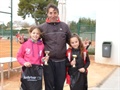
(54, 75)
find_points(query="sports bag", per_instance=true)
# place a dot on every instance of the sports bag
(31, 78)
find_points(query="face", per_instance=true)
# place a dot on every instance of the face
(52, 15)
(74, 42)
(35, 34)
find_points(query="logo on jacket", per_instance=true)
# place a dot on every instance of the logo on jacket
(60, 28)
(40, 52)
(27, 51)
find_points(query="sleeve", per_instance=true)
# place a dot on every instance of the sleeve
(68, 57)
(87, 61)
(25, 39)
(20, 55)
(88, 45)
(68, 34)
(43, 54)
(67, 62)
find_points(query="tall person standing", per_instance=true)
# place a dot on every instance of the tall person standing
(55, 36)
(30, 57)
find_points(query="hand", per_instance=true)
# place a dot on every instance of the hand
(27, 64)
(45, 59)
(82, 70)
(73, 62)
(21, 38)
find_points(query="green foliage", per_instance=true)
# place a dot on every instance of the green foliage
(9, 24)
(34, 8)
(8, 32)
(25, 31)
(2, 26)
(83, 25)
(73, 27)
(22, 31)
(87, 25)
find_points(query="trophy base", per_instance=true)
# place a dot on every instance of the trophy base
(74, 66)
(46, 63)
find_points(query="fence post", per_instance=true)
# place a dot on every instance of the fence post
(11, 26)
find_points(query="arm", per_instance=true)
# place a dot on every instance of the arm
(68, 34)
(22, 39)
(87, 62)
(20, 55)
(88, 45)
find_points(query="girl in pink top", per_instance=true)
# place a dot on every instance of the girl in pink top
(30, 57)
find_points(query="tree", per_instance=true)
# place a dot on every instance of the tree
(8, 24)
(3, 26)
(73, 27)
(17, 23)
(34, 8)
(83, 25)
(25, 25)
(87, 25)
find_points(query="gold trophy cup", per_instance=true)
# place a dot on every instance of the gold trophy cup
(46, 52)
(74, 58)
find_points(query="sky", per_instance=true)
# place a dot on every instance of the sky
(80, 8)
(75, 9)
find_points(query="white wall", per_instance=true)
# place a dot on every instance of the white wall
(108, 29)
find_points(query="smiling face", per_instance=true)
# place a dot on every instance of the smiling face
(35, 34)
(74, 42)
(52, 15)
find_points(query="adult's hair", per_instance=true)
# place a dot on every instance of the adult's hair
(51, 5)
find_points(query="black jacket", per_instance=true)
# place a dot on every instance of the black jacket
(55, 37)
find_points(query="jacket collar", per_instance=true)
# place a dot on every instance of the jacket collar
(38, 42)
(48, 21)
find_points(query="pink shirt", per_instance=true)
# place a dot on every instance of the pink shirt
(31, 52)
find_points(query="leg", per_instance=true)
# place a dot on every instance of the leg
(60, 74)
(48, 76)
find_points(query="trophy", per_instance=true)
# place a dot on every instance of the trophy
(46, 52)
(74, 58)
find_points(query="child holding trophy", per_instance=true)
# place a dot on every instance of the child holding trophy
(30, 57)
(78, 64)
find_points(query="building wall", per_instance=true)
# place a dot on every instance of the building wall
(108, 29)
